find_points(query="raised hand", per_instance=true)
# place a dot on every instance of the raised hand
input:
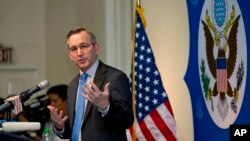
(57, 118)
(96, 96)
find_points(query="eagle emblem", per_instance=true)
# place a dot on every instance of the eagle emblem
(221, 54)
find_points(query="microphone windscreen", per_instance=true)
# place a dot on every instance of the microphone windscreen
(43, 84)
(20, 126)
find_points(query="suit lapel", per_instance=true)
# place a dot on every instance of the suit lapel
(99, 79)
(73, 97)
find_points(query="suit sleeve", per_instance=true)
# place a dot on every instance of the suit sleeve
(120, 113)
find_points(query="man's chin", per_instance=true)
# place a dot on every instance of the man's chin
(82, 67)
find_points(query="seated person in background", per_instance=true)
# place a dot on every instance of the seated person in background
(1, 114)
(58, 99)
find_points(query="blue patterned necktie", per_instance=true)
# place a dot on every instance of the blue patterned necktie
(80, 106)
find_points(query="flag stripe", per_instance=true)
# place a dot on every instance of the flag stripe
(168, 119)
(162, 120)
(222, 80)
(146, 132)
(167, 104)
(129, 134)
(156, 133)
(221, 72)
(139, 133)
(166, 132)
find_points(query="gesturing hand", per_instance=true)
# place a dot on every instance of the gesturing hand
(56, 117)
(96, 96)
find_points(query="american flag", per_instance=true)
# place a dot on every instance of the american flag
(154, 116)
(221, 74)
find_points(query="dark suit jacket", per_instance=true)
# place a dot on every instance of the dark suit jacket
(120, 115)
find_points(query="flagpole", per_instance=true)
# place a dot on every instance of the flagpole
(138, 3)
(137, 7)
(133, 73)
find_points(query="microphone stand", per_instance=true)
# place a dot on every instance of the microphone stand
(8, 115)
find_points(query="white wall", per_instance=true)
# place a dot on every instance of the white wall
(22, 28)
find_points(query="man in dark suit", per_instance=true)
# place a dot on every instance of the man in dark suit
(107, 100)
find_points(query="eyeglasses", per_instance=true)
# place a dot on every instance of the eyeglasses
(83, 46)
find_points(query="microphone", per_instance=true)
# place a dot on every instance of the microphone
(20, 126)
(25, 95)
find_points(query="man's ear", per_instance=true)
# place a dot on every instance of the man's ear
(97, 46)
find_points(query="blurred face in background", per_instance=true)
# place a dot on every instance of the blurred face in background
(58, 102)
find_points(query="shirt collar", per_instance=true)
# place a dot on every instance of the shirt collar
(92, 70)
